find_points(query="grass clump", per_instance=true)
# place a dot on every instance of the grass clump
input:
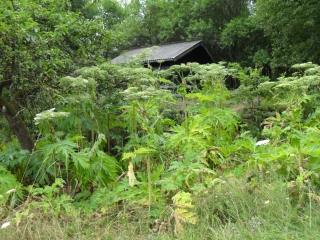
(237, 210)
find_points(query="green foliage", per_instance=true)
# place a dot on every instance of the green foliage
(110, 11)
(187, 172)
(294, 42)
(292, 130)
(109, 141)
(194, 138)
(148, 23)
(245, 41)
(40, 42)
(10, 188)
(163, 164)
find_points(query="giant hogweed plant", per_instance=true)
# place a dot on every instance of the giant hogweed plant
(206, 126)
(199, 135)
(66, 152)
(143, 153)
(251, 101)
(294, 148)
(162, 159)
(106, 106)
(144, 117)
(209, 125)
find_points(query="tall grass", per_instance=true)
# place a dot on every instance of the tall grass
(233, 209)
(236, 210)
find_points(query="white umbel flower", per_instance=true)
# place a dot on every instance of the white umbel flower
(49, 115)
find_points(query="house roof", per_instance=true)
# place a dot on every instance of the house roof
(167, 52)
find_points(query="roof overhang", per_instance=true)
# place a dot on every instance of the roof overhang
(167, 52)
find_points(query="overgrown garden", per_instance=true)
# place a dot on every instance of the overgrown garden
(92, 150)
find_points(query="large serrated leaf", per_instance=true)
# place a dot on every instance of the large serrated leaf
(80, 159)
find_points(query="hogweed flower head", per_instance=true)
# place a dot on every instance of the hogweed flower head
(49, 114)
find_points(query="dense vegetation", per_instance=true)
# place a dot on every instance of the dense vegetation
(91, 150)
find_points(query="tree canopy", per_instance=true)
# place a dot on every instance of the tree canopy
(275, 34)
(41, 41)
(293, 28)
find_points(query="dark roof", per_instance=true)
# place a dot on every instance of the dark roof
(167, 52)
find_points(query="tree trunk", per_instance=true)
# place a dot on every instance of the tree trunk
(17, 124)
(230, 54)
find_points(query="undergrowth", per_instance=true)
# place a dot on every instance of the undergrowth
(119, 167)
(232, 209)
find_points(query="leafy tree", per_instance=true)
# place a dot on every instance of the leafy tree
(40, 41)
(244, 40)
(209, 18)
(294, 29)
(110, 11)
(145, 22)
(160, 21)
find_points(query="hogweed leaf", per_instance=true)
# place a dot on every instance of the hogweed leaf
(104, 168)
(129, 155)
(186, 216)
(182, 200)
(144, 150)
(131, 175)
(183, 204)
(195, 138)
(80, 159)
(178, 227)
